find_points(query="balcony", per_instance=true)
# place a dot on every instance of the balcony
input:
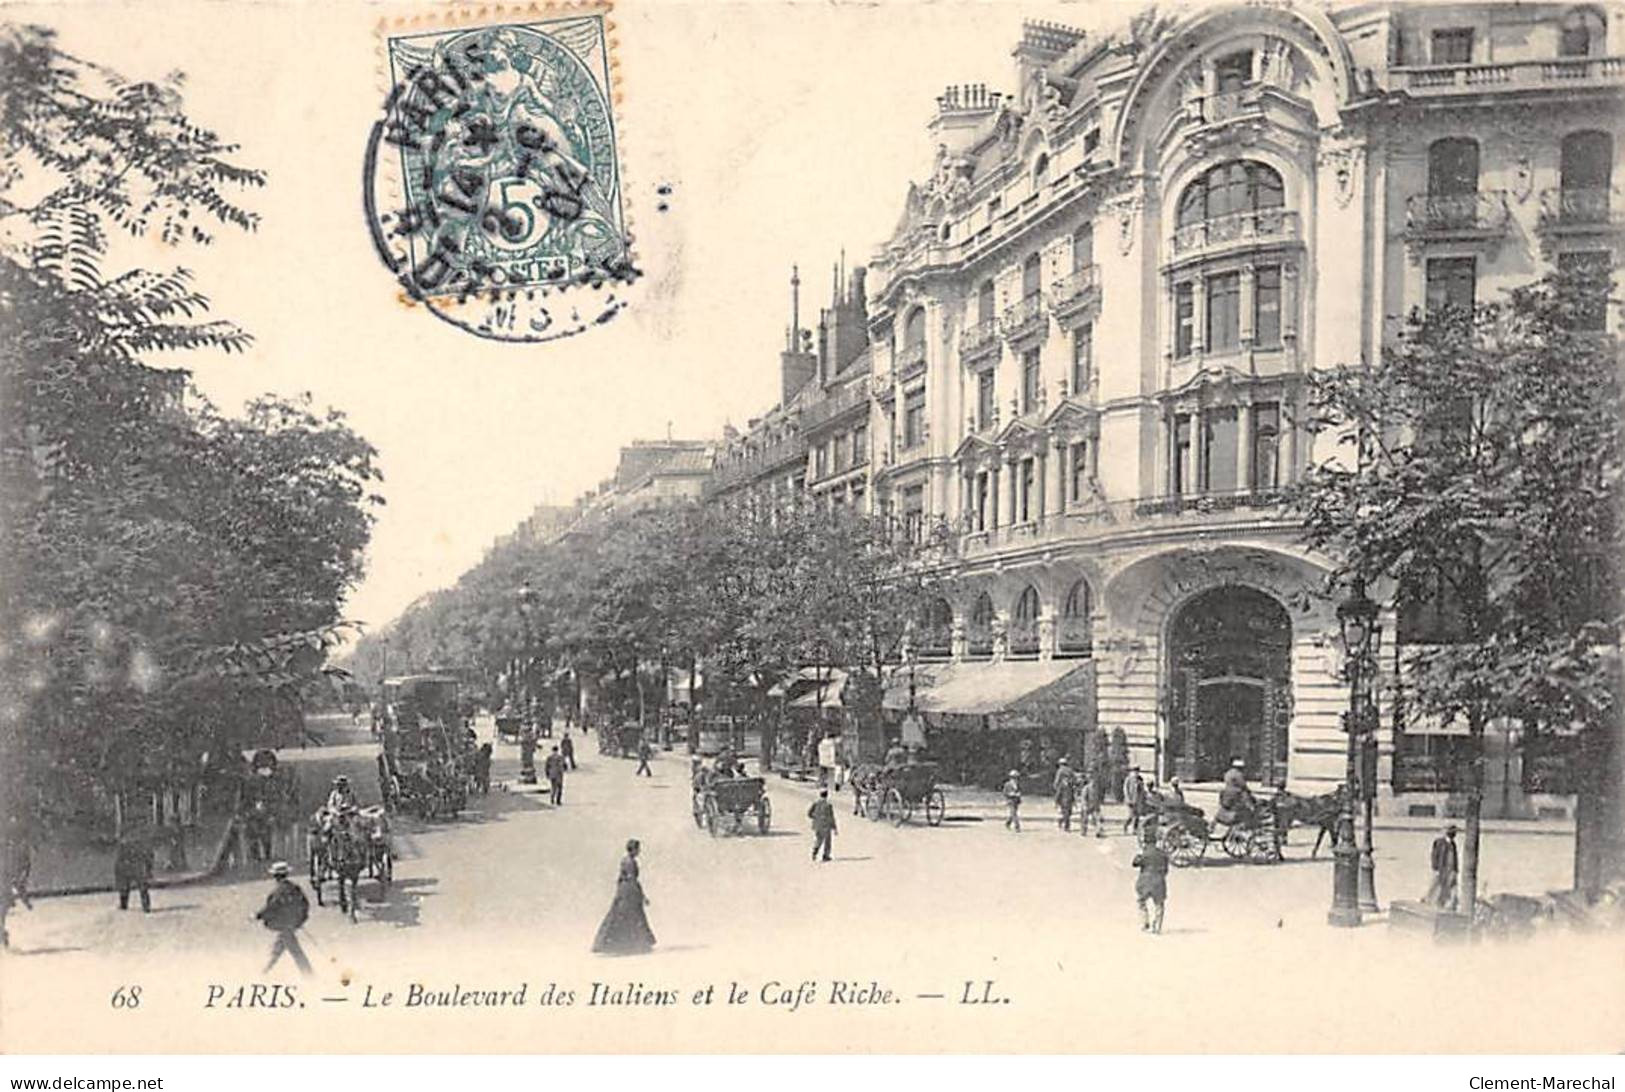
(841, 402)
(1223, 106)
(1551, 73)
(736, 471)
(1083, 525)
(1025, 320)
(1581, 209)
(1076, 294)
(1260, 227)
(1457, 216)
(910, 361)
(979, 340)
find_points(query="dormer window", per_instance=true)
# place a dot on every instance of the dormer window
(1581, 32)
(1233, 71)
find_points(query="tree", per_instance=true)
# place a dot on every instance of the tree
(169, 570)
(1479, 475)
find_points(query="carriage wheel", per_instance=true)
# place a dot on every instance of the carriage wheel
(936, 808)
(1235, 843)
(764, 815)
(894, 808)
(1182, 847)
(711, 816)
(1262, 847)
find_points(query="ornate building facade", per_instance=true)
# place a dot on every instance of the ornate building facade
(1090, 332)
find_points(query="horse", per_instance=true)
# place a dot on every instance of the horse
(343, 850)
(1317, 811)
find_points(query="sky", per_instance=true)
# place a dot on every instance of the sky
(786, 132)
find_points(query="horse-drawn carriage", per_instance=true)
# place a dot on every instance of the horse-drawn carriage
(426, 765)
(1185, 833)
(895, 792)
(347, 846)
(620, 741)
(730, 799)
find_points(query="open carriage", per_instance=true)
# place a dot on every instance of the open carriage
(426, 765)
(720, 801)
(345, 848)
(896, 793)
(1184, 833)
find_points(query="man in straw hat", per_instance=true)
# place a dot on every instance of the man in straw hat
(284, 913)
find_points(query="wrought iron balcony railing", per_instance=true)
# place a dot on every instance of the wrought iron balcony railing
(1021, 318)
(1077, 289)
(848, 397)
(1483, 212)
(1578, 207)
(910, 357)
(1252, 226)
(979, 337)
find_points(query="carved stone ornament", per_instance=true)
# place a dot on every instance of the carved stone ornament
(1523, 173)
(1345, 162)
(1125, 209)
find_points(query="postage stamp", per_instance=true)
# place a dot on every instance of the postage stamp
(493, 186)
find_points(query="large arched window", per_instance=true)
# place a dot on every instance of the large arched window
(979, 634)
(1239, 187)
(1024, 624)
(914, 328)
(1076, 633)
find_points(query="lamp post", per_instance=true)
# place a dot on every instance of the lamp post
(1368, 771)
(527, 715)
(1356, 618)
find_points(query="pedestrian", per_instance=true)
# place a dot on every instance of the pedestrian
(625, 929)
(1175, 791)
(1442, 892)
(553, 767)
(1012, 801)
(567, 748)
(284, 913)
(1151, 886)
(822, 814)
(826, 761)
(1066, 792)
(482, 768)
(258, 824)
(843, 761)
(1091, 796)
(132, 869)
(1134, 798)
(645, 752)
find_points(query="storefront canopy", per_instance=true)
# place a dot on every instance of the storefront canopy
(1061, 688)
(802, 688)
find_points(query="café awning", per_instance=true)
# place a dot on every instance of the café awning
(1056, 690)
(809, 696)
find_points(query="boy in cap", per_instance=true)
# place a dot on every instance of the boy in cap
(1151, 886)
(284, 912)
(1012, 800)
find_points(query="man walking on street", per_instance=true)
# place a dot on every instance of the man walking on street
(1093, 793)
(1012, 801)
(1442, 893)
(644, 754)
(284, 913)
(553, 767)
(567, 749)
(1066, 791)
(822, 814)
(1134, 797)
(1151, 886)
(132, 868)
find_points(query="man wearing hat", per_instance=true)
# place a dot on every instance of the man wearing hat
(822, 814)
(284, 913)
(132, 868)
(1012, 800)
(1133, 798)
(1151, 885)
(1236, 803)
(1066, 791)
(1442, 893)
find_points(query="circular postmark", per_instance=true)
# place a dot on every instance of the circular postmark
(492, 184)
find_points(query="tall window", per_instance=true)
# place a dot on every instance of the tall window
(1582, 30)
(979, 634)
(838, 451)
(1029, 381)
(1179, 455)
(1026, 497)
(1024, 626)
(1030, 271)
(914, 418)
(860, 445)
(1224, 312)
(1077, 615)
(1184, 318)
(1586, 161)
(1040, 170)
(1267, 306)
(914, 328)
(1452, 282)
(1453, 167)
(1453, 46)
(1219, 450)
(1083, 247)
(1083, 357)
(820, 461)
(1233, 71)
(914, 513)
(984, 399)
(984, 301)
(1240, 186)
(983, 489)
(1266, 445)
(1079, 455)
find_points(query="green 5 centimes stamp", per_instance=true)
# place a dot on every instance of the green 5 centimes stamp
(493, 179)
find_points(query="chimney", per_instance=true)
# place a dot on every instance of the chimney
(796, 364)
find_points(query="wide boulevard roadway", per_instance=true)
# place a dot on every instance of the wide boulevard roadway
(957, 937)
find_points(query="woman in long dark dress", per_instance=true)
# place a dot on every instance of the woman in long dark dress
(625, 930)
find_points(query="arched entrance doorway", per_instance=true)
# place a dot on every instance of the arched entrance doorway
(1230, 663)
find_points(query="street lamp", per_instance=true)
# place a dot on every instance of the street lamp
(1356, 618)
(527, 723)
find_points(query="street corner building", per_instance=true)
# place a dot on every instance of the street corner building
(1076, 372)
